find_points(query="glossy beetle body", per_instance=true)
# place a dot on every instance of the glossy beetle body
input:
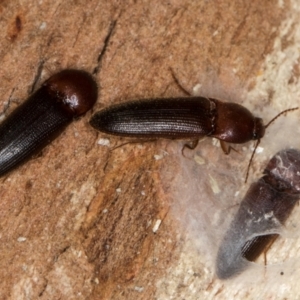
(265, 208)
(180, 118)
(63, 97)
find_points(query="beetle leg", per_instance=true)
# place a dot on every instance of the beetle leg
(227, 148)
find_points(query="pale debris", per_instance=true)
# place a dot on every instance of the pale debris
(21, 239)
(156, 226)
(214, 185)
(104, 142)
(199, 159)
(158, 157)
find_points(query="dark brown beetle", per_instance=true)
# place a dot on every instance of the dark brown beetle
(180, 118)
(265, 208)
(183, 118)
(43, 116)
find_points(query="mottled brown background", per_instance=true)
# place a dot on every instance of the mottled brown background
(76, 221)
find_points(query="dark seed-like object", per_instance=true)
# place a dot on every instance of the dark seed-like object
(265, 208)
(43, 116)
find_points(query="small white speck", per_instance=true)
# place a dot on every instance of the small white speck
(21, 239)
(214, 185)
(143, 193)
(96, 280)
(43, 25)
(199, 160)
(139, 289)
(269, 215)
(104, 142)
(259, 150)
(236, 193)
(156, 226)
(105, 210)
(197, 88)
(158, 157)
(215, 33)
(118, 190)
(215, 142)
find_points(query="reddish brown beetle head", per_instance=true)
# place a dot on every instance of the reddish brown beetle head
(75, 90)
(259, 129)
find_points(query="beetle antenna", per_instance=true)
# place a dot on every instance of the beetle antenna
(258, 141)
(178, 83)
(281, 113)
(251, 159)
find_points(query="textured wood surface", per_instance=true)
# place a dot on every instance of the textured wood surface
(78, 221)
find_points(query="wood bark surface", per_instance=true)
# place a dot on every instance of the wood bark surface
(77, 221)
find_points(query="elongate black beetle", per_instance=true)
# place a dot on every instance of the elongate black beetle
(43, 116)
(265, 208)
(182, 118)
